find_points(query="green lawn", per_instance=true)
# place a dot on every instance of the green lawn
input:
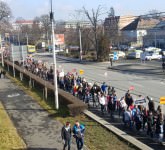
(9, 138)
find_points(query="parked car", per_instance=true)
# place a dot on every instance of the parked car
(121, 54)
(134, 54)
(150, 56)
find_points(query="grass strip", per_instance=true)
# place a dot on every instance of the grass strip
(9, 138)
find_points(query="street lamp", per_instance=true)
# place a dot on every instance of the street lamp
(80, 42)
(54, 59)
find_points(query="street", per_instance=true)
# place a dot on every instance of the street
(147, 79)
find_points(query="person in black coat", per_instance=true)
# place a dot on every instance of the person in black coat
(66, 135)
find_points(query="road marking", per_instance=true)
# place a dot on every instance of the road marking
(135, 84)
(162, 82)
(13, 95)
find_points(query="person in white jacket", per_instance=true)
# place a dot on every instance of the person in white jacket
(102, 101)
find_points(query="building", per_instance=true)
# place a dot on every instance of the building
(19, 23)
(135, 31)
(155, 36)
(114, 27)
(67, 25)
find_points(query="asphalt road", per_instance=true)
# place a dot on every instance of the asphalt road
(147, 79)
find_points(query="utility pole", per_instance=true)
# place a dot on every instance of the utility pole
(54, 59)
(155, 39)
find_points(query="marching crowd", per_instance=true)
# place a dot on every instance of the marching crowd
(143, 117)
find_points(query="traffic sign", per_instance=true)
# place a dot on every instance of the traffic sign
(162, 100)
(81, 71)
(131, 88)
(115, 56)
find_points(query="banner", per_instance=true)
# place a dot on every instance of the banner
(140, 101)
(59, 39)
(61, 74)
(123, 103)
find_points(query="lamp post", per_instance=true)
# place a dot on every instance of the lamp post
(13, 60)
(54, 59)
(155, 39)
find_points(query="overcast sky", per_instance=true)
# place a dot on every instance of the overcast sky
(65, 9)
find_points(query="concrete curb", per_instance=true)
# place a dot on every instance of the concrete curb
(117, 131)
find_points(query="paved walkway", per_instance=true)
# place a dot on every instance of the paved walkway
(33, 123)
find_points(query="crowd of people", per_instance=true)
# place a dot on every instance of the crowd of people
(142, 117)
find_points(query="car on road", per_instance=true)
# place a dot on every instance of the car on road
(150, 56)
(121, 54)
(134, 54)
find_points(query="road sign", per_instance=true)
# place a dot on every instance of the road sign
(105, 74)
(131, 88)
(81, 71)
(115, 57)
(162, 100)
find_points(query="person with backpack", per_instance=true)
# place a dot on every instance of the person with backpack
(78, 131)
(66, 135)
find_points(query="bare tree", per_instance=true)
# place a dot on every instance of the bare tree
(45, 20)
(5, 10)
(5, 13)
(94, 19)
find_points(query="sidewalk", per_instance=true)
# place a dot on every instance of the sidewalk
(33, 123)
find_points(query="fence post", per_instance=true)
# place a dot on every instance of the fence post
(30, 82)
(33, 83)
(46, 93)
(20, 74)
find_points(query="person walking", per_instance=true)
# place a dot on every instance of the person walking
(102, 102)
(66, 135)
(78, 131)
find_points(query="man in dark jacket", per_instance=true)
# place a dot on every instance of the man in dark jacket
(66, 134)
